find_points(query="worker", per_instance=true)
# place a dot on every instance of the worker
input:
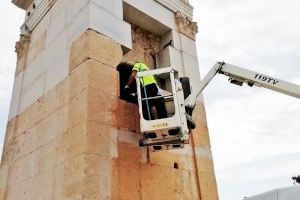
(152, 108)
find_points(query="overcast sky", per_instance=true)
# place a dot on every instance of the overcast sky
(255, 133)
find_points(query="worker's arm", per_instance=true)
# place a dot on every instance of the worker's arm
(131, 78)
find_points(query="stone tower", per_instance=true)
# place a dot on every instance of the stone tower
(69, 135)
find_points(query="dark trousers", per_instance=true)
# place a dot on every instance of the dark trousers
(151, 90)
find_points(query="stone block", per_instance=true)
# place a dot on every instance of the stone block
(126, 116)
(208, 186)
(78, 80)
(58, 23)
(40, 110)
(128, 149)
(21, 190)
(79, 51)
(151, 8)
(204, 160)
(79, 107)
(101, 139)
(97, 47)
(32, 92)
(176, 61)
(90, 137)
(21, 65)
(102, 107)
(93, 180)
(77, 19)
(183, 159)
(53, 126)
(74, 9)
(52, 100)
(57, 62)
(2, 193)
(6, 150)
(188, 45)
(116, 29)
(40, 29)
(96, 76)
(158, 182)
(10, 130)
(47, 104)
(137, 121)
(58, 178)
(174, 36)
(42, 157)
(14, 104)
(64, 92)
(34, 70)
(74, 141)
(130, 152)
(4, 170)
(93, 16)
(43, 186)
(59, 8)
(200, 134)
(36, 48)
(22, 169)
(171, 57)
(26, 120)
(128, 180)
(71, 183)
(25, 143)
(113, 6)
(103, 78)
(191, 68)
(47, 156)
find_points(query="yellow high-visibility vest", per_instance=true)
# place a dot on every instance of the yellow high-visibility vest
(146, 80)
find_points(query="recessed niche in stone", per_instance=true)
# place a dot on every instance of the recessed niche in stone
(125, 70)
(176, 166)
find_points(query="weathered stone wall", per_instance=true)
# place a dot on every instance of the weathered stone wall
(69, 136)
(80, 141)
(145, 47)
(185, 1)
(58, 146)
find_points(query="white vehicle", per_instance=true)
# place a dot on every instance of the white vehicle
(173, 131)
(289, 193)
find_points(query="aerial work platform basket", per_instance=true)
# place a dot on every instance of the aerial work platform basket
(170, 132)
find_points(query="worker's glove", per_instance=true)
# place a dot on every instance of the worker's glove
(133, 94)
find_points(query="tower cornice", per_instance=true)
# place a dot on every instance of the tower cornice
(178, 5)
(23, 4)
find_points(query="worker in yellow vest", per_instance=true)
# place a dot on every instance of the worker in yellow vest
(149, 88)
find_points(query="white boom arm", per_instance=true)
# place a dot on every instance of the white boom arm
(239, 76)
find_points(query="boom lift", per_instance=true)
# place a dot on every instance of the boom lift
(173, 132)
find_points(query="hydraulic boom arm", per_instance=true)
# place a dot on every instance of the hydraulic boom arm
(239, 76)
(173, 131)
